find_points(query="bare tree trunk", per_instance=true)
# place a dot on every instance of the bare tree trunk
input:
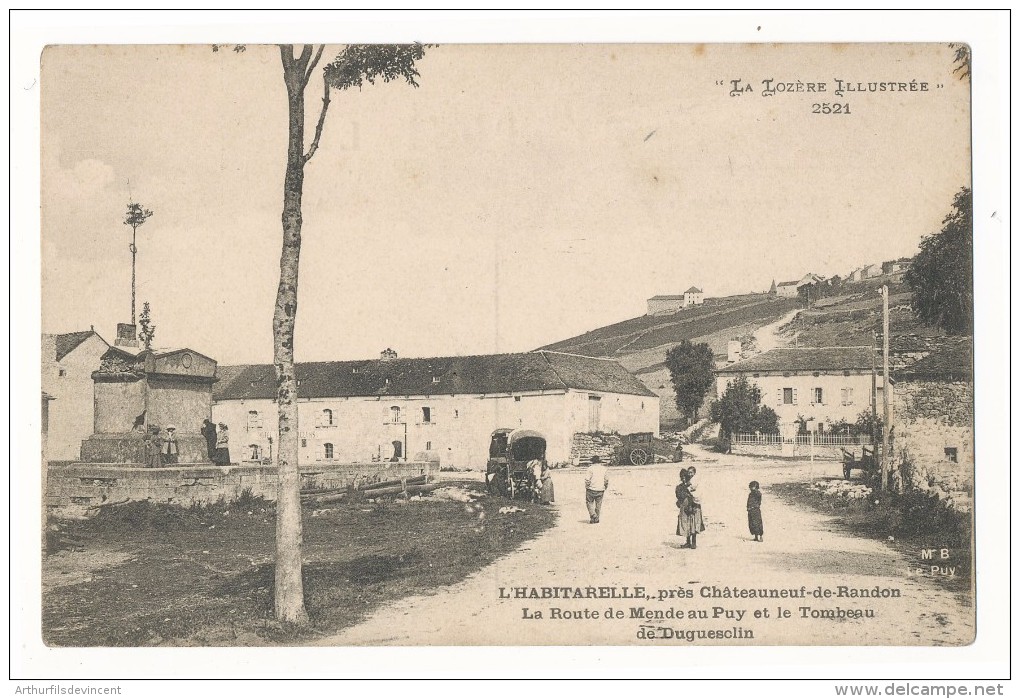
(289, 591)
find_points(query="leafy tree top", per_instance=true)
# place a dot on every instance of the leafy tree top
(942, 276)
(360, 63)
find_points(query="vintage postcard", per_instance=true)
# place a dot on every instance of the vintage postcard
(507, 345)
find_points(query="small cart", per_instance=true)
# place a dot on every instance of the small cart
(869, 460)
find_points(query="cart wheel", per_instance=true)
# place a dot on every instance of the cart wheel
(638, 457)
(846, 471)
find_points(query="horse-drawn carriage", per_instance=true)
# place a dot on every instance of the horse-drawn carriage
(516, 461)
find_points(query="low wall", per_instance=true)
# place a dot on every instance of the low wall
(791, 450)
(91, 485)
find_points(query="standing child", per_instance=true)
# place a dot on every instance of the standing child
(754, 522)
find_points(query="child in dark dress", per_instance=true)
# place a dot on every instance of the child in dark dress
(754, 522)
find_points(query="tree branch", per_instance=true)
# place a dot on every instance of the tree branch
(315, 62)
(322, 120)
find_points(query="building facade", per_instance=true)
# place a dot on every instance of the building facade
(665, 304)
(440, 408)
(934, 407)
(68, 361)
(817, 385)
(787, 290)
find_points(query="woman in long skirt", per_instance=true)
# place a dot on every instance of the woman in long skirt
(689, 522)
(154, 448)
(222, 455)
(754, 522)
(547, 495)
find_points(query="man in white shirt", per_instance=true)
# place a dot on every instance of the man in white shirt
(596, 480)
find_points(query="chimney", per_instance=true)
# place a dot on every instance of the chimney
(733, 351)
(387, 354)
(126, 335)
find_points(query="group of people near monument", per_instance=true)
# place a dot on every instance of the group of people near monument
(690, 520)
(162, 449)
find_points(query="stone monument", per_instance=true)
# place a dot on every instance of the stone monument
(135, 390)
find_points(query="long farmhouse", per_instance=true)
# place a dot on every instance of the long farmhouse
(441, 408)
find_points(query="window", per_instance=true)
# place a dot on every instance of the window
(818, 396)
(517, 399)
(327, 418)
(789, 396)
(304, 442)
(428, 446)
(435, 379)
(62, 372)
(254, 420)
(395, 413)
(456, 414)
(846, 396)
(951, 454)
(254, 452)
(327, 450)
(426, 415)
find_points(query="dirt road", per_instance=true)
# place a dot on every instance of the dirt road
(635, 546)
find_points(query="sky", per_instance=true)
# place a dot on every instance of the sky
(521, 195)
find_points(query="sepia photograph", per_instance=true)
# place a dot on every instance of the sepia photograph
(508, 344)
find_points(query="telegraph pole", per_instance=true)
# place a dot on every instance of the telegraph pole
(874, 386)
(885, 386)
(136, 216)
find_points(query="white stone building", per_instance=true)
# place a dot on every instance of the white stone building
(68, 360)
(664, 304)
(819, 384)
(443, 408)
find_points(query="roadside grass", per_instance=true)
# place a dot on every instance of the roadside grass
(204, 575)
(909, 523)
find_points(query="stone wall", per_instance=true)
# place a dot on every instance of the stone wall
(586, 445)
(91, 485)
(931, 417)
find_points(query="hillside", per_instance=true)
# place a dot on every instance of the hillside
(758, 321)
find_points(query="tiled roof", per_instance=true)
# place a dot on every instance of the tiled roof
(788, 283)
(694, 290)
(667, 297)
(805, 359)
(953, 361)
(66, 342)
(478, 374)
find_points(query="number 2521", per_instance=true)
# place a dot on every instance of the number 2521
(830, 108)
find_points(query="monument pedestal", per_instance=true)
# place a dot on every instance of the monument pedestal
(138, 392)
(130, 449)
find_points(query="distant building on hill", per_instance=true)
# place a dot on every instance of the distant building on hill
(790, 290)
(871, 271)
(671, 303)
(896, 268)
(787, 290)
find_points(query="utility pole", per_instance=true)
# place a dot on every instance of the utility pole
(885, 386)
(874, 387)
(136, 216)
